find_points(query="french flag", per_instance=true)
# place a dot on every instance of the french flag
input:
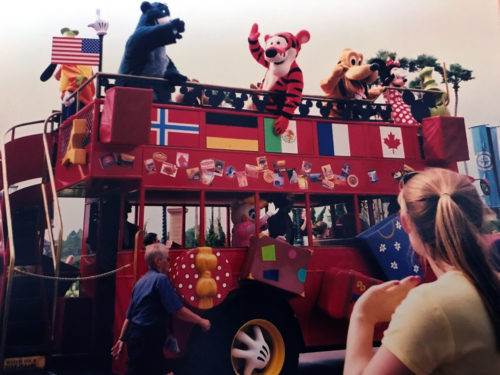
(333, 139)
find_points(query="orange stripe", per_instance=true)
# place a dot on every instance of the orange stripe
(233, 144)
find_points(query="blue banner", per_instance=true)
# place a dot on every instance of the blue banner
(486, 152)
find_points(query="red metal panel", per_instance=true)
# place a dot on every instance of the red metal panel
(410, 142)
(357, 140)
(126, 116)
(445, 139)
(374, 143)
(24, 158)
(168, 173)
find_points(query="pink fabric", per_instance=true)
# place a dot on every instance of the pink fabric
(243, 231)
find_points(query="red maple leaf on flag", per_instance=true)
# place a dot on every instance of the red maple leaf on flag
(392, 142)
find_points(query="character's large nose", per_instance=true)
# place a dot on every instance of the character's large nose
(374, 67)
(271, 52)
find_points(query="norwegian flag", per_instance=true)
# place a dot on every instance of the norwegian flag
(175, 127)
(390, 245)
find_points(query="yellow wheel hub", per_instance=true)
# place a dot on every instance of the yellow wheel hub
(258, 348)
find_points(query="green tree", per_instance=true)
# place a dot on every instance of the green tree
(384, 55)
(72, 245)
(340, 210)
(222, 235)
(212, 238)
(191, 239)
(313, 216)
(456, 75)
(416, 65)
(423, 60)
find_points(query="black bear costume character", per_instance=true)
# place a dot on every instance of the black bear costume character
(145, 52)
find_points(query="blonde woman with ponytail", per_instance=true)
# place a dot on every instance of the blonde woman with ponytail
(449, 326)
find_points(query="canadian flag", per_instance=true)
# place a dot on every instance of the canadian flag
(392, 142)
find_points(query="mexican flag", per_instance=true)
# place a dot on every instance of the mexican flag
(297, 139)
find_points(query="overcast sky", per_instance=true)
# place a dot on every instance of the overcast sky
(214, 46)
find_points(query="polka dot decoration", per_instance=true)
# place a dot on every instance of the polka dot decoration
(401, 112)
(185, 276)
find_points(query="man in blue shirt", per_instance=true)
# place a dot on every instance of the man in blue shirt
(153, 302)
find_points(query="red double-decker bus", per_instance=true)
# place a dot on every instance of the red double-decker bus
(178, 168)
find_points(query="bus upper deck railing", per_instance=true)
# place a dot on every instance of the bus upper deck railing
(248, 100)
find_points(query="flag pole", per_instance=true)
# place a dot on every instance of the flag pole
(101, 28)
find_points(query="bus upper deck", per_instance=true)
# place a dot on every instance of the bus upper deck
(206, 138)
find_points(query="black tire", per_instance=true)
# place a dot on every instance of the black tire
(219, 351)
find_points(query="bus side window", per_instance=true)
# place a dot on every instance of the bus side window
(376, 208)
(93, 228)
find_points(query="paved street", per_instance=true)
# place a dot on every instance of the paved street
(322, 363)
(318, 363)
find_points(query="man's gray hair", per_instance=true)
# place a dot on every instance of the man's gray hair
(153, 251)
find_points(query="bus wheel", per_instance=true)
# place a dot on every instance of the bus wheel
(258, 347)
(246, 340)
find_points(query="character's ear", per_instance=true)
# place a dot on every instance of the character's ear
(266, 37)
(47, 73)
(145, 6)
(303, 36)
(408, 97)
(429, 99)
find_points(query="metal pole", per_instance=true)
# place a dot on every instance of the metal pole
(101, 28)
(101, 41)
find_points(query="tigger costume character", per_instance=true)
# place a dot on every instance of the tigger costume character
(283, 75)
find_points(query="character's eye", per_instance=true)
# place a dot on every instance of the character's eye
(353, 61)
(251, 213)
(360, 61)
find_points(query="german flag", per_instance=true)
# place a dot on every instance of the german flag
(231, 132)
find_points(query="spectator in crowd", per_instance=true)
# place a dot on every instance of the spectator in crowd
(145, 327)
(320, 230)
(150, 238)
(451, 325)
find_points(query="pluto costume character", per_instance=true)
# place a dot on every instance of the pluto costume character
(145, 52)
(283, 76)
(350, 79)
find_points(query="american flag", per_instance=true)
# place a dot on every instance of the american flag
(76, 51)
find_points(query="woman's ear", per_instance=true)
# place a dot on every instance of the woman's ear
(406, 222)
